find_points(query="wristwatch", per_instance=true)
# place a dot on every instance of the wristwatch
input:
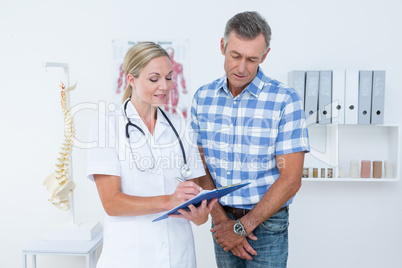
(239, 229)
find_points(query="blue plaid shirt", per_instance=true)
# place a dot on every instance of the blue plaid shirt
(242, 136)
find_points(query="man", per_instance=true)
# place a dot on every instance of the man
(250, 128)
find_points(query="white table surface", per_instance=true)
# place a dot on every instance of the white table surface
(40, 246)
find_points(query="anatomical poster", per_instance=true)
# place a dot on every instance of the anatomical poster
(178, 100)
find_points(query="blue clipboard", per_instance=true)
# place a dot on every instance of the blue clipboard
(205, 194)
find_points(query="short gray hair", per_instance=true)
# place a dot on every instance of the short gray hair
(248, 25)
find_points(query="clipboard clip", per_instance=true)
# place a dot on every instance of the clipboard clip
(224, 187)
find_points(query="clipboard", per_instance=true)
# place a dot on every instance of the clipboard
(204, 194)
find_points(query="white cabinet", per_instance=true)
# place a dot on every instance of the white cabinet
(333, 146)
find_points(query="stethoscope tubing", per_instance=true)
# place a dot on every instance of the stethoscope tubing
(185, 169)
(177, 135)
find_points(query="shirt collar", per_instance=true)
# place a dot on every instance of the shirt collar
(254, 87)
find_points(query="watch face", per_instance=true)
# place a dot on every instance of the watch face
(238, 228)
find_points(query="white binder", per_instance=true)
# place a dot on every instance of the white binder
(325, 97)
(351, 96)
(377, 99)
(311, 98)
(338, 96)
(296, 80)
(365, 88)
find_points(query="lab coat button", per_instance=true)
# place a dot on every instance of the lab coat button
(164, 245)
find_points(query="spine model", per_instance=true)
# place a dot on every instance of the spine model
(59, 184)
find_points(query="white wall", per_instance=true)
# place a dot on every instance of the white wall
(332, 224)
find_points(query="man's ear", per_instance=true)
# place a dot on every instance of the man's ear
(265, 55)
(223, 46)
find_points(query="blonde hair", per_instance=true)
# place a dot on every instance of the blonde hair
(137, 57)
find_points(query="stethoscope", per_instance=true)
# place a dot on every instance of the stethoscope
(185, 170)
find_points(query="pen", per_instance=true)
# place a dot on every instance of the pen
(180, 180)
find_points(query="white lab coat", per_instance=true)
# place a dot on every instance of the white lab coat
(136, 241)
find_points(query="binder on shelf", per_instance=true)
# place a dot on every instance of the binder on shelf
(311, 97)
(378, 96)
(365, 88)
(296, 80)
(325, 97)
(338, 96)
(351, 96)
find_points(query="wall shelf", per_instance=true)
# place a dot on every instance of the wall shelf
(335, 145)
(351, 179)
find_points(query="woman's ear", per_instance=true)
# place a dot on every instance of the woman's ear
(131, 80)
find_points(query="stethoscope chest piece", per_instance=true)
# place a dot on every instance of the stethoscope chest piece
(186, 171)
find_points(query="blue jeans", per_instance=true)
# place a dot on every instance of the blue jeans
(271, 246)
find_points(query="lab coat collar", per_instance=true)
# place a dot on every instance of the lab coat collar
(161, 123)
(132, 112)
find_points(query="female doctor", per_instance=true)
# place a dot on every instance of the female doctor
(137, 169)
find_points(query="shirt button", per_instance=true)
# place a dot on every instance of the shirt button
(228, 172)
(235, 102)
(164, 245)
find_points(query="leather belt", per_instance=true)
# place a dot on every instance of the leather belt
(239, 212)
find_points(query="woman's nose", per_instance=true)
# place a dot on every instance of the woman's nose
(164, 84)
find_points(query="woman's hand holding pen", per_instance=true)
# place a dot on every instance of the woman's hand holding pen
(197, 215)
(184, 191)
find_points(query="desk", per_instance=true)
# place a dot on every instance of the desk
(63, 247)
